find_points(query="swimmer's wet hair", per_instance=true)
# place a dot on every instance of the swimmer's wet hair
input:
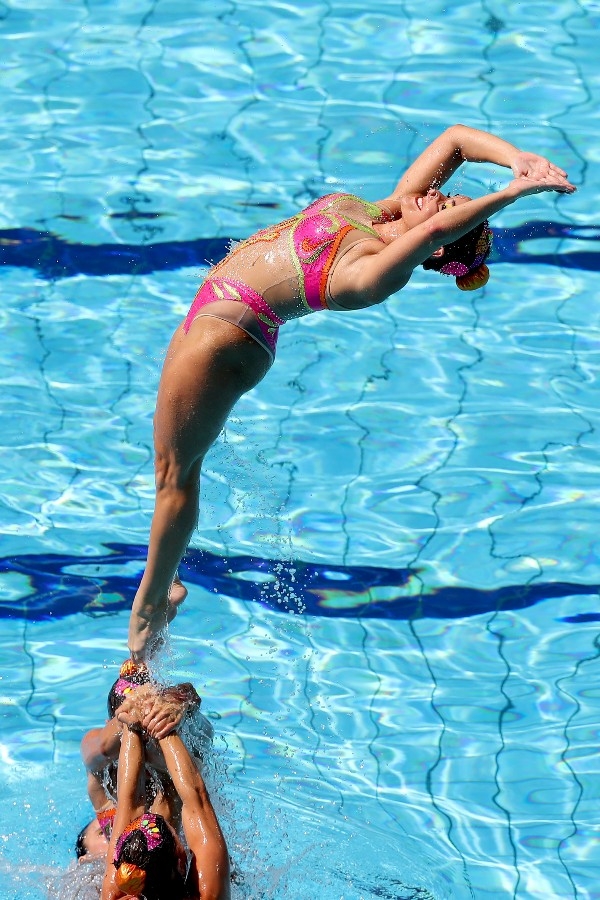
(465, 258)
(146, 860)
(80, 848)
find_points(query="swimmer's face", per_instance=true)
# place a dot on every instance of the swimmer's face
(94, 841)
(418, 208)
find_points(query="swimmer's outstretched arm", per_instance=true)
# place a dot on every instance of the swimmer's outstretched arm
(210, 866)
(381, 274)
(459, 144)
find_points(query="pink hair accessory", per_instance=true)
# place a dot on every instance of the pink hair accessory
(482, 250)
(454, 268)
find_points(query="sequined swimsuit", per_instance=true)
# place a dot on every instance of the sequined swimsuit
(314, 237)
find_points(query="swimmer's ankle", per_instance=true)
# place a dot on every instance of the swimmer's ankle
(145, 626)
(142, 649)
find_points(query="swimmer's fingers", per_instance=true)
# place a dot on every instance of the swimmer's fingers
(525, 185)
(163, 729)
(135, 706)
(558, 171)
(169, 708)
(560, 183)
(548, 169)
(160, 728)
(552, 182)
(128, 708)
(531, 165)
(163, 718)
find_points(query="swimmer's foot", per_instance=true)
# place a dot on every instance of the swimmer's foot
(145, 626)
(147, 623)
(177, 595)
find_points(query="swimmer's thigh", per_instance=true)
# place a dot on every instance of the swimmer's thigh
(205, 373)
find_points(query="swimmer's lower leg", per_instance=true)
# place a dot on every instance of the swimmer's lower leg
(173, 523)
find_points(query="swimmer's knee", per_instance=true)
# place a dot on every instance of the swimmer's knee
(171, 474)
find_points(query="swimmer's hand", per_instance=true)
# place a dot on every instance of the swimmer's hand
(530, 165)
(168, 710)
(525, 185)
(136, 707)
(131, 720)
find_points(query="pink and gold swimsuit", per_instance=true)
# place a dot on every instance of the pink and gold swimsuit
(314, 237)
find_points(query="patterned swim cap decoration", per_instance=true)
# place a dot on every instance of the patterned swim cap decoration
(476, 274)
(131, 676)
(124, 687)
(147, 825)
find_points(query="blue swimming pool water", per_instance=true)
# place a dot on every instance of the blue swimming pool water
(393, 614)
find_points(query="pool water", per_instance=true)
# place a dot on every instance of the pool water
(394, 606)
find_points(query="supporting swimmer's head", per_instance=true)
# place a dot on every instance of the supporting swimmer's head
(150, 860)
(91, 840)
(131, 676)
(465, 258)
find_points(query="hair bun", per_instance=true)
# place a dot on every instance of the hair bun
(131, 667)
(131, 878)
(475, 279)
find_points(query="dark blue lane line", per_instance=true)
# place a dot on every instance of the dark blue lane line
(62, 585)
(53, 257)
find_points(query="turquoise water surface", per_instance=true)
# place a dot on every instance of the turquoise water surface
(394, 612)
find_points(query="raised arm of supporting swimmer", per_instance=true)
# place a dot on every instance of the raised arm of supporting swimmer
(101, 746)
(130, 800)
(210, 868)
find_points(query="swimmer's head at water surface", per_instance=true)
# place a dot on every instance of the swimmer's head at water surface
(91, 841)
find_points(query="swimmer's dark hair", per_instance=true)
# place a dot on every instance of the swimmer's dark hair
(152, 873)
(80, 848)
(465, 258)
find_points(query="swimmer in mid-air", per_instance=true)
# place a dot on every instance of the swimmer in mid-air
(340, 253)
